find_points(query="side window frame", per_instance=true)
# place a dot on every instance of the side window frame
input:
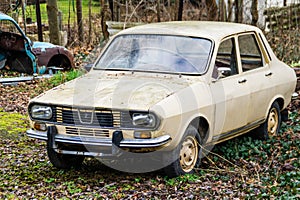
(260, 48)
(235, 46)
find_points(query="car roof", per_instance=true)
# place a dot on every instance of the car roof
(206, 29)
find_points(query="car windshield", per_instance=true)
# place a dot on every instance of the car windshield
(159, 53)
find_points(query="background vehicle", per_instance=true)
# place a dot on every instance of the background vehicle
(19, 53)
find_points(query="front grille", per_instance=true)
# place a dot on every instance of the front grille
(87, 117)
(87, 132)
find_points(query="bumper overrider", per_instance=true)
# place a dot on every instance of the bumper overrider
(115, 143)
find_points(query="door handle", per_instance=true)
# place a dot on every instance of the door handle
(269, 74)
(243, 80)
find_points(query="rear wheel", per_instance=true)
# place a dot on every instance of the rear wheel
(186, 157)
(271, 126)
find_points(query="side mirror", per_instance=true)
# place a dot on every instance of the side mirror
(223, 72)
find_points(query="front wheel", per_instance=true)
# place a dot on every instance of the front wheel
(271, 126)
(186, 157)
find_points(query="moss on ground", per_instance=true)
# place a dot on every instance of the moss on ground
(12, 125)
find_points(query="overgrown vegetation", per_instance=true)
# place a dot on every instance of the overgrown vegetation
(67, 8)
(243, 168)
(240, 168)
(285, 44)
(61, 77)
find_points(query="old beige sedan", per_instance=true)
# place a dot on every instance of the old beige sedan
(169, 90)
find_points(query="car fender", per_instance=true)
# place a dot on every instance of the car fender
(46, 51)
(195, 101)
(68, 54)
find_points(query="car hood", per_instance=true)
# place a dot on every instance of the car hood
(119, 90)
(45, 45)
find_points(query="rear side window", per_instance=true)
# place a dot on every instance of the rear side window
(250, 53)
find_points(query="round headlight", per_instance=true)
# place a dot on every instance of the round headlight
(144, 119)
(41, 112)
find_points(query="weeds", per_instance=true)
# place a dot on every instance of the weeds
(62, 77)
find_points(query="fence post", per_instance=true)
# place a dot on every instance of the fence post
(39, 20)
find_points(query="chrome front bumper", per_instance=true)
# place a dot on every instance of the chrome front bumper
(52, 137)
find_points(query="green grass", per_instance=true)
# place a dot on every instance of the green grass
(65, 6)
(62, 77)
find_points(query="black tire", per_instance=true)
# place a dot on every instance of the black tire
(271, 126)
(184, 159)
(64, 161)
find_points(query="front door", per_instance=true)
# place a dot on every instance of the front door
(16, 48)
(230, 92)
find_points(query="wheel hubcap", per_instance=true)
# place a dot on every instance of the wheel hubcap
(188, 154)
(273, 122)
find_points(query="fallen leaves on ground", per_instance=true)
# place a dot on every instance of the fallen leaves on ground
(240, 168)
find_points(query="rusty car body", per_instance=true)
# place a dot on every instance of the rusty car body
(176, 88)
(19, 53)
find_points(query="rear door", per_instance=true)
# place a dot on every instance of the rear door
(258, 74)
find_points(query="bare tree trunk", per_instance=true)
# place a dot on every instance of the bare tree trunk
(176, 10)
(103, 20)
(158, 11)
(284, 3)
(118, 12)
(230, 6)
(239, 11)
(111, 7)
(52, 12)
(254, 12)
(69, 23)
(79, 19)
(222, 11)
(90, 22)
(212, 10)
(24, 20)
(180, 10)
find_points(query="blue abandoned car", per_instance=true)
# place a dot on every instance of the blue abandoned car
(19, 53)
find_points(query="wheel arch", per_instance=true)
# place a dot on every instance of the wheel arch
(280, 100)
(58, 58)
(202, 126)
